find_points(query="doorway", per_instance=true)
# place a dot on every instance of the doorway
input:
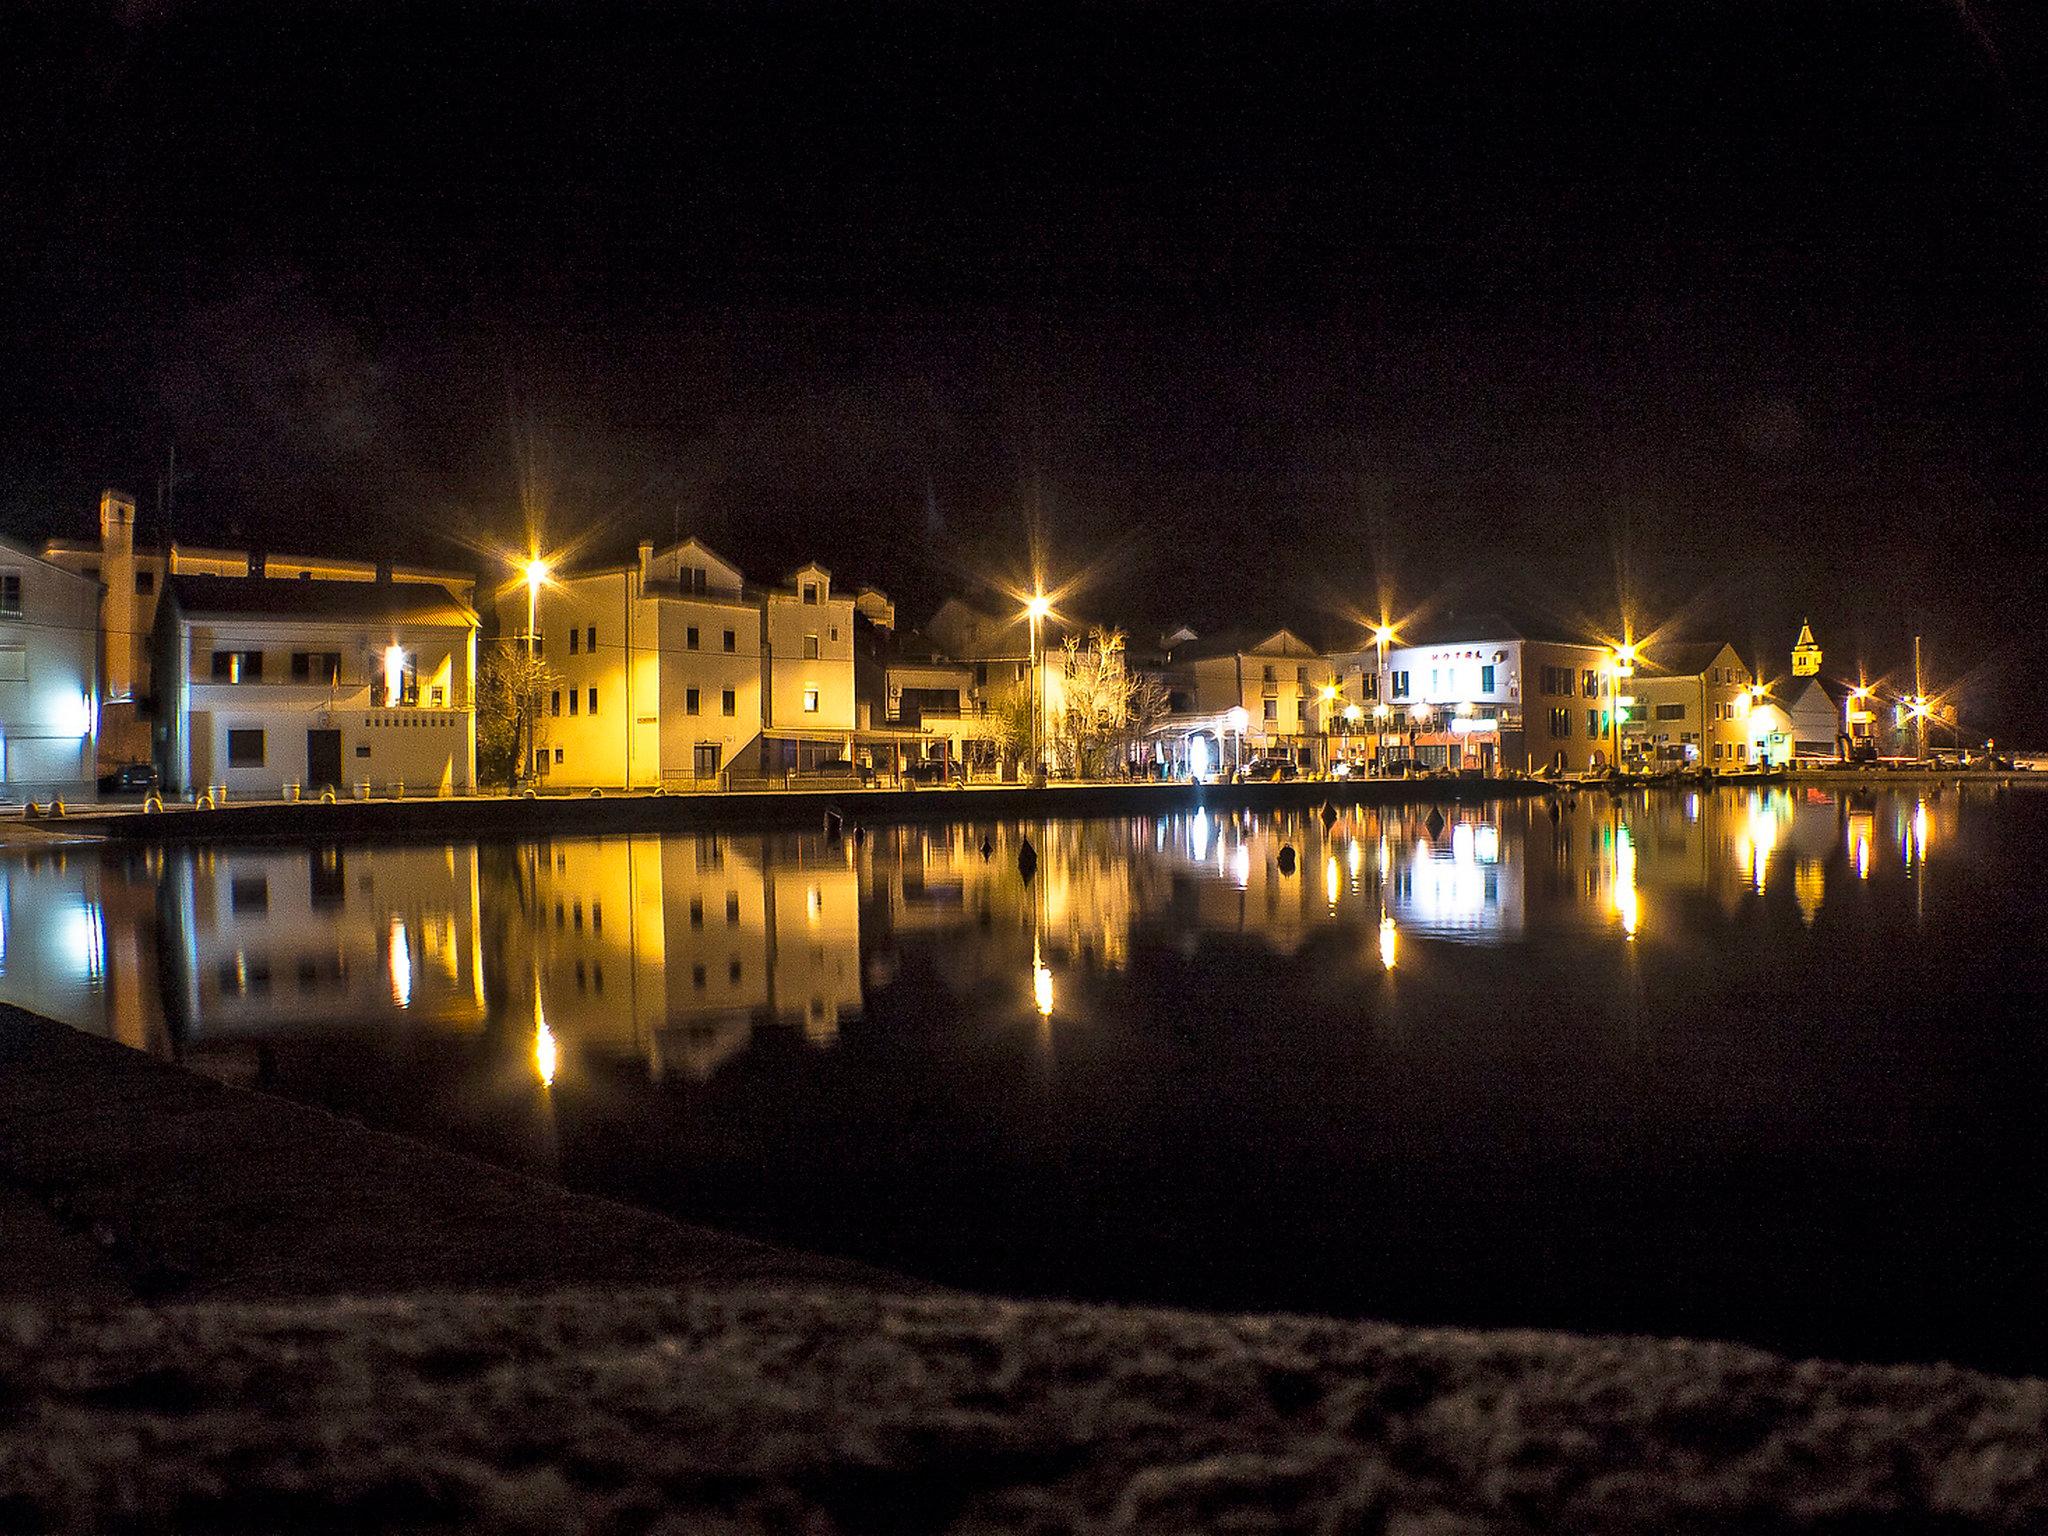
(323, 760)
(707, 760)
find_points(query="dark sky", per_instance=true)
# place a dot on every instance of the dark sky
(1251, 309)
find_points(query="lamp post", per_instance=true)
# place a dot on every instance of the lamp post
(1036, 607)
(1382, 637)
(1330, 693)
(536, 571)
(1621, 664)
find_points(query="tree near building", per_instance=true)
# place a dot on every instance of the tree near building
(1089, 712)
(511, 725)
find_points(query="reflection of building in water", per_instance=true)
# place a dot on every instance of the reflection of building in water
(676, 949)
(323, 938)
(1460, 881)
(77, 942)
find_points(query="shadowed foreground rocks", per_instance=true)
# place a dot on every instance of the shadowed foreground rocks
(852, 1411)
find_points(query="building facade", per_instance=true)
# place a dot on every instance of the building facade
(1690, 706)
(131, 581)
(673, 671)
(1482, 695)
(49, 621)
(266, 685)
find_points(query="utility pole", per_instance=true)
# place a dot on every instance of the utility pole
(1919, 706)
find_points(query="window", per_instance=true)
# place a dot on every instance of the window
(1269, 676)
(810, 647)
(10, 594)
(732, 908)
(730, 703)
(238, 666)
(732, 641)
(145, 582)
(1272, 711)
(245, 749)
(690, 697)
(1589, 683)
(13, 663)
(732, 970)
(697, 977)
(1486, 679)
(316, 667)
(574, 700)
(572, 642)
(690, 638)
(555, 702)
(1560, 722)
(1372, 685)
(558, 757)
(811, 593)
(1301, 677)
(696, 911)
(1593, 727)
(810, 701)
(834, 631)
(248, 893)
(1670, 711)
(693, 578)
(1400, 685)
(590, 641)
(590, 704)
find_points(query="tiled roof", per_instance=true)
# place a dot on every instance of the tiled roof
(413, 602)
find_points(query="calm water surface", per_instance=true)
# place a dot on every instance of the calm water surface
(1765, 1065)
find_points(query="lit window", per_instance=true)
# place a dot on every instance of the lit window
(810, 647)
(810, 701)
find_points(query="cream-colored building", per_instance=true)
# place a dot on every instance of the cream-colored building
(266, 685)
(673, 671)
(48, 708)
(1691, 706)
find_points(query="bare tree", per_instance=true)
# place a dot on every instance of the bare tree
(511, 686)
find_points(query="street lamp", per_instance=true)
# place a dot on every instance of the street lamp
(1382, 637)
(536, 572)
(1036, 607)
(1621, 664)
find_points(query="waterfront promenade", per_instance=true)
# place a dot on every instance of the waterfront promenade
(646, 811)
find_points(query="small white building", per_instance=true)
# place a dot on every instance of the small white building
(130, 580)
(359, 687)
(49, 628)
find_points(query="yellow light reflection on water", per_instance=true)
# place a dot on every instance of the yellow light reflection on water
(547, 1055)
(1861, 831)
(1041, 986)
(1626, 903)
(1388, 942)
(401, 963)
(1333, 880)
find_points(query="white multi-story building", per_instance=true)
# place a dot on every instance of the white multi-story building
(131, 580)
(1481, 694)
(48, 693)
(672, 670)
(360, 687)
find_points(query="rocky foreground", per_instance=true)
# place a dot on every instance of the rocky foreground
(220, 1312)
(844, 1410)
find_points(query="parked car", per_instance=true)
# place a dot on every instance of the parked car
(935, 771)
(128, 779)
(1270, 769)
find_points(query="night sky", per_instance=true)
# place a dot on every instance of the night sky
(1251, 311)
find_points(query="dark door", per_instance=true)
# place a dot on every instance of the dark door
(323, 759)
(707, 760)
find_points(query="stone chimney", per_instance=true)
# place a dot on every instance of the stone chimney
(120, 627)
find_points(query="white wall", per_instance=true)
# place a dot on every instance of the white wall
(48, 679)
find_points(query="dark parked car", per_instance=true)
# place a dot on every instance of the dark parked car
(1270, 769)
(129, 778)
(936, 771)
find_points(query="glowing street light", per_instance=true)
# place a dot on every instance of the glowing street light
(1382, 637)
(536, 571)
(1036, 608)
